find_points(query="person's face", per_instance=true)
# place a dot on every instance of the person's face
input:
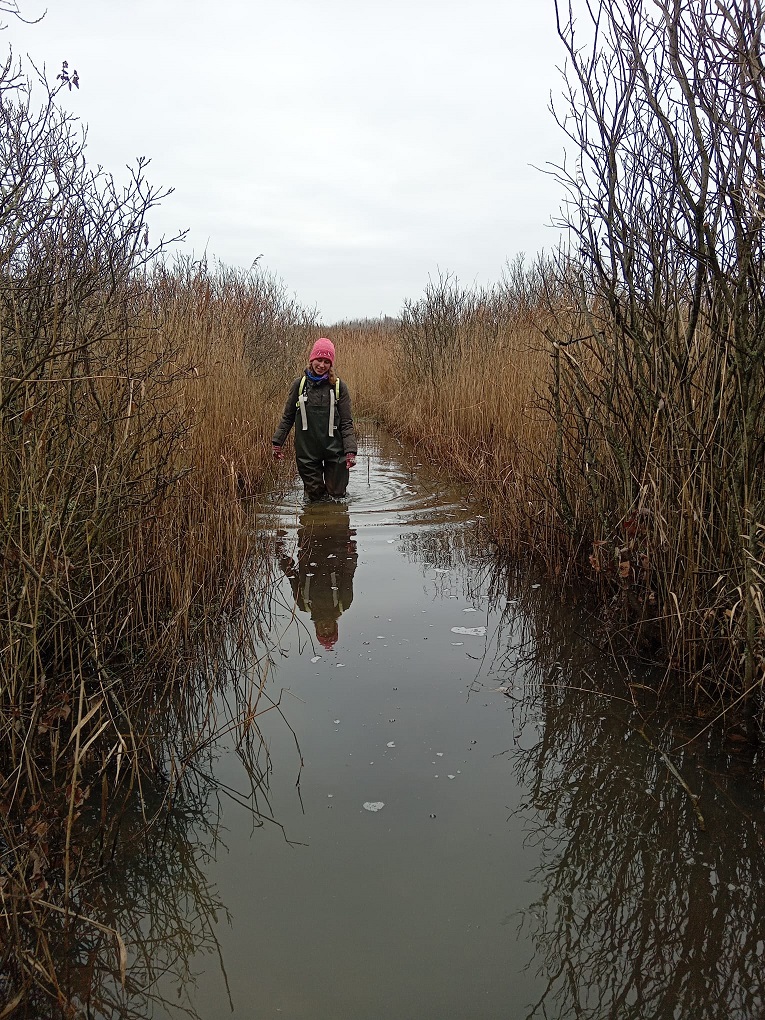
(320, 365)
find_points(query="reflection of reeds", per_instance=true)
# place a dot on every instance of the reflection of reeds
(131, 943)
(638, 911)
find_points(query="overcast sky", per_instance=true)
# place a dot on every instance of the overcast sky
(359, 147)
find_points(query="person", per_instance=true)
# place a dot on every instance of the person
(325, 441)
(321, 577)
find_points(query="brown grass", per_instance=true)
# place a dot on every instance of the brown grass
(127, 473)
(521, 396)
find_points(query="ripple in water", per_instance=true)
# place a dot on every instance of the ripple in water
(387, 488)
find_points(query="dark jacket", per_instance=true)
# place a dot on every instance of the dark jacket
(315, 443)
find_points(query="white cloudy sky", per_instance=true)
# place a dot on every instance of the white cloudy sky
(360, 146)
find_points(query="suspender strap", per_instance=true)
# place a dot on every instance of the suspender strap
(301, 404)
(334, 396)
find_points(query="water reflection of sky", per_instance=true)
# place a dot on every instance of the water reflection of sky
(533, 854)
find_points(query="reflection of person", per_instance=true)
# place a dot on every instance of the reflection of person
(325, 443)
(322, 576)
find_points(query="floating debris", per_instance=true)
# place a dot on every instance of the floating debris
(391, 743)
(472, 631)
(336, 722)
(373, 805)
(470, 610)
(316, 658)
(450, 777)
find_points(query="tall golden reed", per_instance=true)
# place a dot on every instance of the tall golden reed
(552, 436)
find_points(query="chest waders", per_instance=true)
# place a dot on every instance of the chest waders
(318, 449)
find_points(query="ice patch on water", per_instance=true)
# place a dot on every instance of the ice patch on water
(316, 658)
(472, 631)
(470, 610)
(373, 805)
(391, 743)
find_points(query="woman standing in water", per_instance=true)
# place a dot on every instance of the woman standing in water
(325, 443)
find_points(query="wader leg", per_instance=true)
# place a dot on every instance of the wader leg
(313, 480)
(336, 476)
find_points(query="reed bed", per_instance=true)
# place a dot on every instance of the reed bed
(610, 401)
(531, 400)
(459, 376)
(137, 396)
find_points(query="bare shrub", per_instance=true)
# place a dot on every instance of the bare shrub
(658, 373)
(134, 404)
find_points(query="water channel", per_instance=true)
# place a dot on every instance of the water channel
(451, 824)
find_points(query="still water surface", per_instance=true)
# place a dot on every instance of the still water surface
(460, 830)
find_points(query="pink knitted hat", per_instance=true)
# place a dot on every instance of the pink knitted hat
(323, 348)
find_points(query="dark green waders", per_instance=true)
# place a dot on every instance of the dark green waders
(321, 478)
(324, 435)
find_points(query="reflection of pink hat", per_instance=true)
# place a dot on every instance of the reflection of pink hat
(323, 348)
(326, 633)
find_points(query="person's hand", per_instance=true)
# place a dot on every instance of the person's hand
(277, 453)
(350, 460)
